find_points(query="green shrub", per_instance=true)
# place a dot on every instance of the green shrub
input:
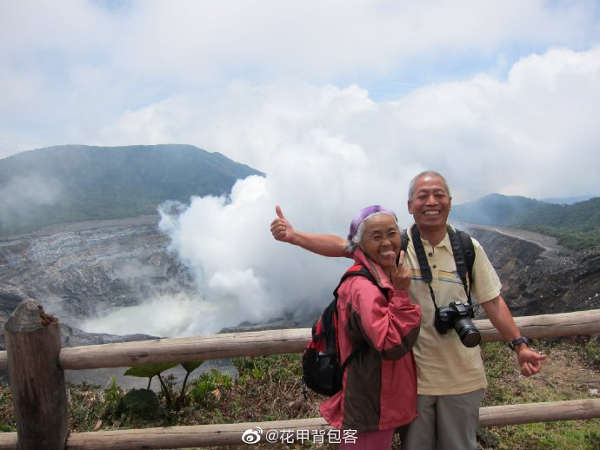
(139, 403)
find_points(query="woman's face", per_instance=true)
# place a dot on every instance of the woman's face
(381, 240)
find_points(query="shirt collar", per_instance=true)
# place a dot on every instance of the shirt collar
(443, 243)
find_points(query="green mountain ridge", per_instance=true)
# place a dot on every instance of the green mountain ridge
(77, 182)
(577, 225)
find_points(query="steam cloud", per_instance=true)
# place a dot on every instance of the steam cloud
(19, 197)
(242, 273)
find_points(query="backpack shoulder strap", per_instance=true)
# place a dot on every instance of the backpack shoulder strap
(358, 270)
(464, 255)
(468, 250)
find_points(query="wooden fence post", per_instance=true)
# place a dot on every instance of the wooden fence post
(37, 382)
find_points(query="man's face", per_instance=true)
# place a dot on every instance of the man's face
(430, 204)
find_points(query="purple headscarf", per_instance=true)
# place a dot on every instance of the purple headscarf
(364, 214)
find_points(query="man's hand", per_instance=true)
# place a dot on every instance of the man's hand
(281, 228)
(401, 276)
(529, 360)
(500, 316)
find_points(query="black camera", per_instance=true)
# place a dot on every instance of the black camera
(458, 315)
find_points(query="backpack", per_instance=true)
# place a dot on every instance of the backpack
(322, 370)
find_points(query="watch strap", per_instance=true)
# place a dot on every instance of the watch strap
(518, 341)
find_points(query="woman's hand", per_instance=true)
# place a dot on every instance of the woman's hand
(281, 228)
(401, 276)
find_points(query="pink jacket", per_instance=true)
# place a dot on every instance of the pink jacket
(379, 389)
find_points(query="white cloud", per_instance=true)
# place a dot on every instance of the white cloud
(313, 40)
(487, 134)
(73, 67)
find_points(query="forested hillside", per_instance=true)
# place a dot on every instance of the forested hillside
(577, 225)
(75, 183)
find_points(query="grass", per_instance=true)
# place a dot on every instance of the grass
(568, 374)
(270, 388)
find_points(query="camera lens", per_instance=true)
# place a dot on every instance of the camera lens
(469, 335)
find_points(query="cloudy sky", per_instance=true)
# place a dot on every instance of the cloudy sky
(503, 91)
(340, 103)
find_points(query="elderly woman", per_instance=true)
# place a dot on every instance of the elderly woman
(379, 388)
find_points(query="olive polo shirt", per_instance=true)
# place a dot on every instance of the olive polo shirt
(444, 365)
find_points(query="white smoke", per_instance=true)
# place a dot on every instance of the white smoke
(173, 319)
(29, 191)
(241, 272)
(20, 197)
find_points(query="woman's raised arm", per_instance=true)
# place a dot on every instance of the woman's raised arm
(322, 244)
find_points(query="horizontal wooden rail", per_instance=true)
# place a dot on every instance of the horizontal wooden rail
(231, 434)
(548, 325)
(254, 343)
(216, 346)
(539, 412)
(269, 342)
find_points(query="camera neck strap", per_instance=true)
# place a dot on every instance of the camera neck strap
(459, 260)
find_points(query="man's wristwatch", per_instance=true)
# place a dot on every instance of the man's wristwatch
(518, 341)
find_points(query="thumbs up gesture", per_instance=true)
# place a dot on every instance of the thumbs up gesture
(281, 228)
(401, 276)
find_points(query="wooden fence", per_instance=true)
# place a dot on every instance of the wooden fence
(36, 363)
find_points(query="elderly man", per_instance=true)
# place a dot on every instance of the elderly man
(451, 376)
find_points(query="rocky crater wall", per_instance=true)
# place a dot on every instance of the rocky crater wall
(90, 268)
(538, 276)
